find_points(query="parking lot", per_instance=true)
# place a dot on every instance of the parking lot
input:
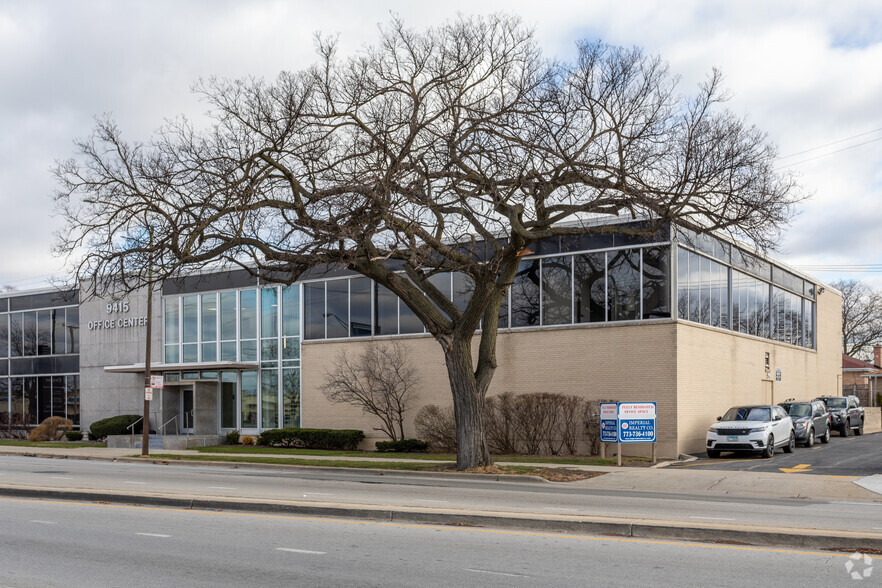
(843, 456)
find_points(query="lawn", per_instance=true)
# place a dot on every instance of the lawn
(62, 444)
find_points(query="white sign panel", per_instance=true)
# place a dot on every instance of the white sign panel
(156, 381)
(148, 393)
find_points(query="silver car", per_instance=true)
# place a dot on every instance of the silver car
(754, 429)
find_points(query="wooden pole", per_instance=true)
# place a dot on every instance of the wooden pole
(602, 450)
(619, 452)
(653, 454)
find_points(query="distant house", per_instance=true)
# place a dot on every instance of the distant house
(862, 378)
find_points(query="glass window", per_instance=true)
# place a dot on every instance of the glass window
(228, 386)
(4, 395)
(337, 309)
(15, 335)
(525, 295)
(172, 353)
(557, 291)
(291, 348)
(704, 290)
(16, 396)
(360, 307)
(172, 320)
(44, 333)
(248, 350)
(248, 314)
(314, 310)
(291, 311)
(624, 284)
(408, 321)
(656, 282)
(59, 345)
(72, 326)
(269, 399)
(228, 351)
(44, 398)
(29, 332)
(269, 313)
(463, 288)
(249, 399)
(190, 353)
(682, 283)
(269, 349)
(209, 317)
(808, 339)
(442, 281)
(190, 319)
(209, 351)
(4, 335)
(291, 397)
(590, 286)
(228, 316)
(59, 396)
(30, 401)
(385, 311)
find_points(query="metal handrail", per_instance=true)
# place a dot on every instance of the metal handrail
(162, 427)
(190, 428)
(132, 426)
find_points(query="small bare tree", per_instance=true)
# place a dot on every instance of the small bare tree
(861, 317)
(380, 380)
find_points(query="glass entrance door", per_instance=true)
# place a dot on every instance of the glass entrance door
(187, 409)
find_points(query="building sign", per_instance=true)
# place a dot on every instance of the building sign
(609, 422)
(148, 393)
(156, 381)
(637, 422)
(114, 321)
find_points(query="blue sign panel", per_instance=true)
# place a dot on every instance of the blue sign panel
(637, 422)
(608, 432)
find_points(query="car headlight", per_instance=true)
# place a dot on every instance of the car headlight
(800, 425)
(711, 430)
(760, 429)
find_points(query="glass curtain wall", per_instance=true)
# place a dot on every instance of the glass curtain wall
(248, 325)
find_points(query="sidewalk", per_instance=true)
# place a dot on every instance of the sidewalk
(656, 479)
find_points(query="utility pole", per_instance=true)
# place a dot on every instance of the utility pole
(145, 433)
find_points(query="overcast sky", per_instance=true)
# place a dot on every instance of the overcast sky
(808, 73)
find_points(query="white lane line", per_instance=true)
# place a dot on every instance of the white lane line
(497, 573)
(60, 477)
(45, 522)
(223, 487)
(141, 483)
(306, 551)
(435, 501)
(713, 518)
(317, 494)
(154, 535)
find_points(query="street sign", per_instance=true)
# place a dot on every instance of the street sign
(156, 381)
(637, 422)
(777, 374)
(148, 393)
(609, 422)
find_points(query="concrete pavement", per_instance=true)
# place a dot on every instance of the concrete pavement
(762, 485)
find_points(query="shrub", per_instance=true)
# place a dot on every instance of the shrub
(73, 435)
(333, 439)
(116, 425)
(51, 429)
(14, 425)
(438, 427)
(403, 446)
(232, 438)
(247, 440)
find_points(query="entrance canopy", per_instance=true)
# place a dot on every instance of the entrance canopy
(138, 368)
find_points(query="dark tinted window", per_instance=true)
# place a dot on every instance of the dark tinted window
(590, 290)
(656, 282)
(525, 295)
(624, 284)
(557, 297)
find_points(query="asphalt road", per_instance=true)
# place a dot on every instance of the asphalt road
(46, 543)
(843, 456)
(335, 487)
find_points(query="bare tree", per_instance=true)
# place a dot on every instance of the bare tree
(861, 317)
(380, 380)
(452, 149)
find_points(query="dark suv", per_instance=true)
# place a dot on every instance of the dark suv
(810, 421)
(846, 414)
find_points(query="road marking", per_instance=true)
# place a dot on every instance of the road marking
(45, 522)
(306, 551)
(497, 573)
(154, 535)
(607, 539)
(128, 482)
(436, 501)
(317, 494)
(713, 518)
(803, 467)
(223, 487)
(816, 447)
(60, 477)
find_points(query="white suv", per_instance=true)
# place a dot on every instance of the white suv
(757, 429)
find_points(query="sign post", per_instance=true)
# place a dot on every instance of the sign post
(608, 426)
(636, 424)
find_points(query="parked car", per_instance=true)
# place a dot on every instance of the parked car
(755, 429)
(811, 421)
(846, 414)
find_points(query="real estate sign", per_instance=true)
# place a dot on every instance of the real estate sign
(636, 422)
(609, 423)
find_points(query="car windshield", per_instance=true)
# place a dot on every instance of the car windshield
(747, 414)
(799, 410)
(837, 403)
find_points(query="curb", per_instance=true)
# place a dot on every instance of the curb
(745, 535)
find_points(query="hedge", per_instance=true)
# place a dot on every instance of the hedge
(114, 426)
(340, 439)
(403, 446)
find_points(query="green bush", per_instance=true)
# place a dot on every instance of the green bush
(403, 446)
(334, 439)
(233, 438)
(73, 435)
(114, 426)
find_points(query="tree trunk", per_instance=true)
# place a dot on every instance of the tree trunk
(468, 406)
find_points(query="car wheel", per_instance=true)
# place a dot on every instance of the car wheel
(826, 437)
(844, 431)
(860, 429)
(790, 444)
(810, 438)
(769, 451)
(713, 453)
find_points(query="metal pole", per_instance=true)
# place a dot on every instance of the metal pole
(145, 434)
(653, 454)
(619, 452)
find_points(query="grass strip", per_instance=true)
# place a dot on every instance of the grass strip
(59, 444)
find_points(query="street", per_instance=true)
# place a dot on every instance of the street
(53, 543)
